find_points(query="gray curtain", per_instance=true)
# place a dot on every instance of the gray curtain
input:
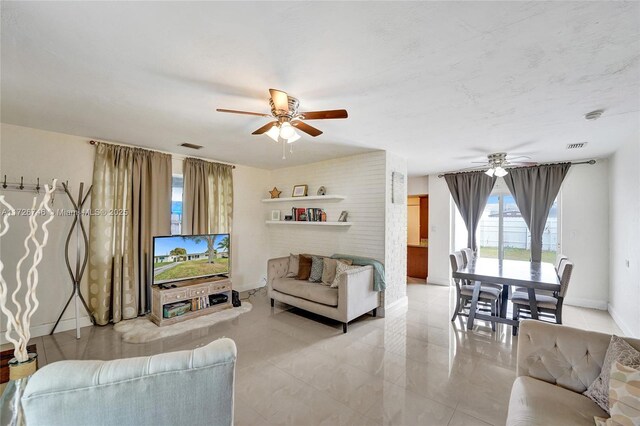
(534, 189)
(132, 193)
(207, 197)
(470, 192)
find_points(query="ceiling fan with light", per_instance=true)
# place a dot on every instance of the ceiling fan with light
(284, 109)
(498, 162)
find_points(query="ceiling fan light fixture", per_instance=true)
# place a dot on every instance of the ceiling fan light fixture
(287, 131)
(293, 138)
(273, 133)
(489, 172)
(500, 172)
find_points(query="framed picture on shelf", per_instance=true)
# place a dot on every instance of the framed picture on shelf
(299, 191)
(343, 216)
(275, 214)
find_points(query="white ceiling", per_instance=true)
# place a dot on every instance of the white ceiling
(440, 83)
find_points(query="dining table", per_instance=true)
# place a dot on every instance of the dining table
(519, 273)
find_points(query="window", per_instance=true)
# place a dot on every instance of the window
(176, 205)
(503, 233)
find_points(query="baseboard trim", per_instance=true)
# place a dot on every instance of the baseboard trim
(618, 320)
(439, 281)
(45, 329)
(248, 287)
(587, 303)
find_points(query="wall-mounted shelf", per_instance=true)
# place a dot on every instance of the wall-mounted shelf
(303, 199)
(301, 222)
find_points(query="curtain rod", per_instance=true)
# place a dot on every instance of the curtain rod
(516, 167)
(178, 156)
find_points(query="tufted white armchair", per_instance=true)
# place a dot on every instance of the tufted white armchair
(556, 364)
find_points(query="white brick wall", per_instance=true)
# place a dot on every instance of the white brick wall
(395, 235)
(360, 178)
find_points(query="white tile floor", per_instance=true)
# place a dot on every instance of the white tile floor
(413, 367)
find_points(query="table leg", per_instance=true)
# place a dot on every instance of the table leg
(505, 301)
(474, 305)
(533, 303)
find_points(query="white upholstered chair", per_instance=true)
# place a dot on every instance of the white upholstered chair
(186, 387)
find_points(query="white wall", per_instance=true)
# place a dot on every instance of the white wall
(440, 231)
(584, 233)
(418, 185)
(361, 179)
(35, 153)
(249, 236)
(624, 202)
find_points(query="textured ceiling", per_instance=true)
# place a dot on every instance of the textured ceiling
(440, 83)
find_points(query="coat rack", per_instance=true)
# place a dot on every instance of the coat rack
(81, 256)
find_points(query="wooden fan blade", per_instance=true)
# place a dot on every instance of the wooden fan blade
(265, 128)
(280, 99)
(310, 130)
(233, 111)
(325, 115)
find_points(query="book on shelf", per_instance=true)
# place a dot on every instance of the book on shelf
(308, 214)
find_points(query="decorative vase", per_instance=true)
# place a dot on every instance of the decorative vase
(19, 370)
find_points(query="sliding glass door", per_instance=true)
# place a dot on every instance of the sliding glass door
(503, 233)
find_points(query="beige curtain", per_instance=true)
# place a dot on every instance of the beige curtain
(131, 201)
(207, 198)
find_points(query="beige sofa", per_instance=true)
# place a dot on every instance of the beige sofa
(555, 365)
(353, 297)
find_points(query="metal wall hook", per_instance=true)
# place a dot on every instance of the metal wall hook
(38, 186)
(4, 184)
(21, 183)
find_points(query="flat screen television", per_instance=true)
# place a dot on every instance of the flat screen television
(186, 257)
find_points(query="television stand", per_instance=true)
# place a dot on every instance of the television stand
(186, 291)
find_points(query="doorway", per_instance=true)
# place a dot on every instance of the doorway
(418, 237)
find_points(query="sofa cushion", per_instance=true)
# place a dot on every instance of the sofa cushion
(619, 351)
(329, 269)
(624, 395)
(317, 263)
(304, 267)
(543, 300)
(293, 265)
(535, 402)
(306, 290)
(341, 268)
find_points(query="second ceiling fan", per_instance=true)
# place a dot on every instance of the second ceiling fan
(284, 109)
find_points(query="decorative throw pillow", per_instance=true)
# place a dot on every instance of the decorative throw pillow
(624, 395)
(341, 268)
(618, 351)
(293, 266)
(317, 264)
(329, 269)
(304, 267)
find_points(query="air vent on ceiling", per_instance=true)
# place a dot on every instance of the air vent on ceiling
(576, 145)
(190, 145)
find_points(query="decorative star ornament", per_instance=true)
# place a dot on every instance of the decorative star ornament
(275, 193)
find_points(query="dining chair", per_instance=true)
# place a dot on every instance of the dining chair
(548, 306)
(464, 293)
(467, 256)
(560, 260)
